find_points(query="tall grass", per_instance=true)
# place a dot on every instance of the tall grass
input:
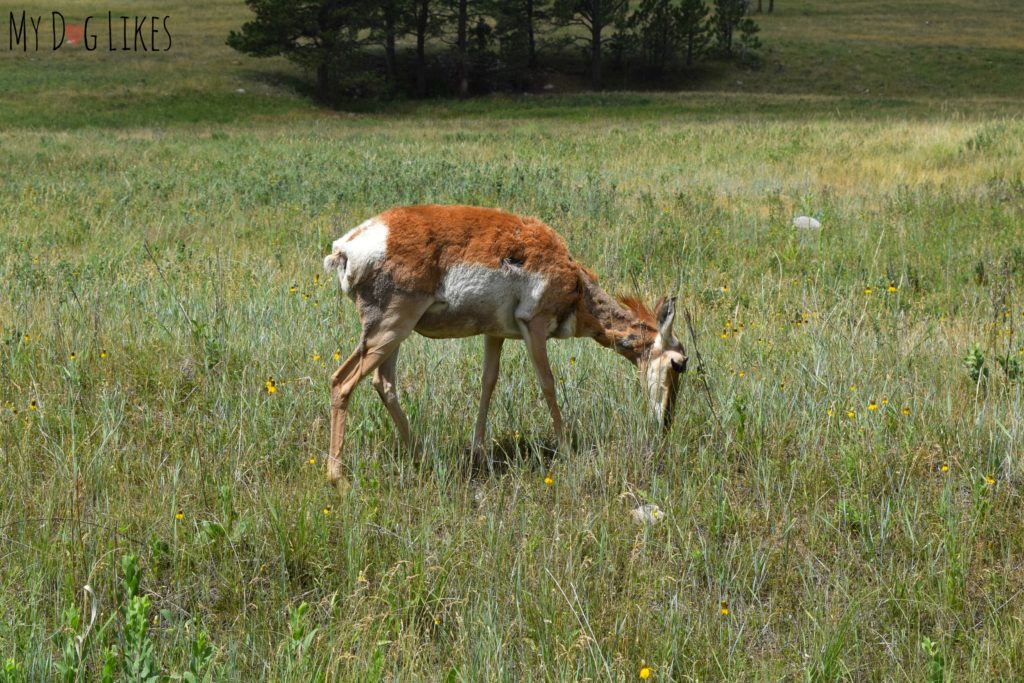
(847, 506)
(150, 296)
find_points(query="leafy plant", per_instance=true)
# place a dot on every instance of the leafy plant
(200, 657)
(974, 362)
(299, 631)
(10, 671)
(138, 662)
(70, 661)
(936, 661)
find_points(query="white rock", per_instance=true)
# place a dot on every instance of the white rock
(647, 514)
(240, 91)
(806, 223)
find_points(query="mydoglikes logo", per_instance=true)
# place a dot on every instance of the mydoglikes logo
(110, 32)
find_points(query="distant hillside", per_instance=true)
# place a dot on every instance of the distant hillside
(861, 49)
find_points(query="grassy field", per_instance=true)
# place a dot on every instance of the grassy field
(850, 510)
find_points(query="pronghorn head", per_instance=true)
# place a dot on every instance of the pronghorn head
(662, 364)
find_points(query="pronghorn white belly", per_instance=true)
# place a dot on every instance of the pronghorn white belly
(474, 299)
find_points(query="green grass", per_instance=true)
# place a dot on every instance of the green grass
(160, 244)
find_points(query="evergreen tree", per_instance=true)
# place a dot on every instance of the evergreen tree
(517, 24)
(320, 35)
(661, 30)
(728, 14)
(693, 24)
(392, 20)
(595, 16)
(749, 43)
(654, 28)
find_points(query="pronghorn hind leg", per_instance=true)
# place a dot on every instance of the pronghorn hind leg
(380, 339)
(535, 334)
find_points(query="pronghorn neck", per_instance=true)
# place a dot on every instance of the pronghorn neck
(625, 326)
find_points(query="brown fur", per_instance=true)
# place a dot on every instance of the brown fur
(424, 242)
(639, 308)
(626, 325)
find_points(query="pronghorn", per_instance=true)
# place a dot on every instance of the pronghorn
(459, 271)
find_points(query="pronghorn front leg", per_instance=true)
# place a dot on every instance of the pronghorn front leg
(535, 334)
(384, 383)
(492, 363)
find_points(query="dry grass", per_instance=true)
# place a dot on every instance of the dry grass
(163, 255)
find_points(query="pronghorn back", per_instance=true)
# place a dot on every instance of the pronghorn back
(485, 268)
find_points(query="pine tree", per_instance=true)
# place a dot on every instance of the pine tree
(692, 19)
(728, 14)
(596, 16)
(320, 35)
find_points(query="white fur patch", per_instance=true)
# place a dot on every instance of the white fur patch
(474, 299)
(356, 254)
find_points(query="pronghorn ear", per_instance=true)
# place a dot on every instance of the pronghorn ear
(666, 316)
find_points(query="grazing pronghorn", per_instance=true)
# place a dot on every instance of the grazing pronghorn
(457, 271)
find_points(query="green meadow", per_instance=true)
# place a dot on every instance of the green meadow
(841, 489)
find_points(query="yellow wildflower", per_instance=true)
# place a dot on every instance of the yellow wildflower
(312, 460)
(103, 353)
(337, 356)
(872, 405)
(944, 467)
(327, 510)
(990, 480)
(32, 405)
(549, 480)
(867, 291)
(179, 515)
(270, 386)
(724, 609)
(645, 672)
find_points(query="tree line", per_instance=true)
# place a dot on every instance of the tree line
(358, 48)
